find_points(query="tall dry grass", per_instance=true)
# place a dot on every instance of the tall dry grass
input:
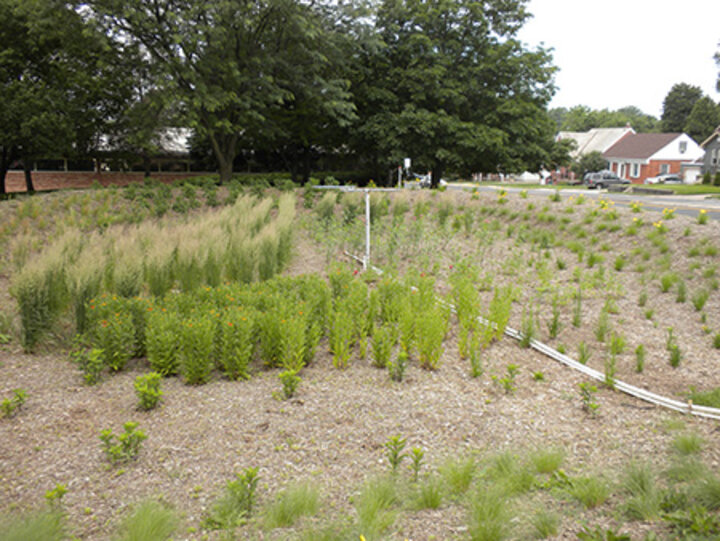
(250, 240)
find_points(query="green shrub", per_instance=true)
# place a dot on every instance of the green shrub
(397, 367)
(147, 388)
(383, 341)
(195, 348)
(341, 332)
(115, 336)
(431, 328)
(124, 447)
(161, 341)
(236, 343)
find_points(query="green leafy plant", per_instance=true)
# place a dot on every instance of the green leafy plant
(577, 309)
(115, 336)
(675, 355)
(340, 339)
(640, 358)
(397, 367)
(528, 328)
(195, 349)
(161, 341)
(383, 341)
(237, 343)
(699, 299)
(554, 323)
(545, 523)
(431, 328)
(416, 456)
(591, 491)
(54, 496)
(10, 406)
(124, 447)
(507, 382)
(290, 381)
(147, 388)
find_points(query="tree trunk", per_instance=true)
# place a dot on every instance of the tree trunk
(28, 176)
(146, 165)
(225, 148)
(437, 172)
(4, 166)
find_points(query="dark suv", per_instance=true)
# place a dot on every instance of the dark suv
(603, 179)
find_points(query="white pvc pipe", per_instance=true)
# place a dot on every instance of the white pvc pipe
(366, 263)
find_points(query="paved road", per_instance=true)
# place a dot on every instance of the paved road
(689, 205)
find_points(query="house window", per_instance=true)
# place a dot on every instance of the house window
(683, 147)
(635, 171)
(664, 168)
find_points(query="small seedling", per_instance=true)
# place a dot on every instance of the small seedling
(640, 358)
(583, 353)
(587, 394)
(538, 376)
(290, 381)
(10, 406)
(394, 451)
(54, 497)
(397, 367)
(508, 382)
(416, 455)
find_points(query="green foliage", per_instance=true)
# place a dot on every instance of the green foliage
(149, 521)
(644, 495)
(124, 447)
(710, 398)
(340, 339)
(547, 460)
(147, 388)
(429, 494)
(577, 309)
(489, 515)
(431, 327)
(374, 507)
(294, 502)
(45, 525)
(457, 474)
(383, 341)
(554, 323)
(416, 455)
(584, 353)
(236, 504)
(640, 358)
(528, 328)
(545, 523)
(10, 406)
(687, 444)
(699, 299)
(675, 355)
(600, 534)
(591, 491)
(507, 382)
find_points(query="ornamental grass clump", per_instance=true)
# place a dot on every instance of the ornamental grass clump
(292, 503)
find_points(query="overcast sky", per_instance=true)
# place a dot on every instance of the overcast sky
(614, 53)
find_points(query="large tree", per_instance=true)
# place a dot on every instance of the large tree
(59, 81)
(451, 87)
(678, 105)
(703, 119)
(231, 64)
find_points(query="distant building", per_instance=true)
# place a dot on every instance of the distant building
(595, 140)
(642, 155)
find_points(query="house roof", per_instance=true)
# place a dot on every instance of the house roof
(709, 140)
(597, 139)
(640, 146)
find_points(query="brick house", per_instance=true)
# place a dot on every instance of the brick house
(642, 155)
(594, 140)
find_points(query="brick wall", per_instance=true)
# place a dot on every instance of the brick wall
(57, 180)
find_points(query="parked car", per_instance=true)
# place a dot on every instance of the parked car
(425, 181)
(602, 179)
(667, 178)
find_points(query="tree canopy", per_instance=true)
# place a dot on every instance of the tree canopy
(60, 83)
(582, 118)
(703, 119)
(452, 87)
(678, 105)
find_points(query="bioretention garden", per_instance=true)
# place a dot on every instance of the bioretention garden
(197, 361)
